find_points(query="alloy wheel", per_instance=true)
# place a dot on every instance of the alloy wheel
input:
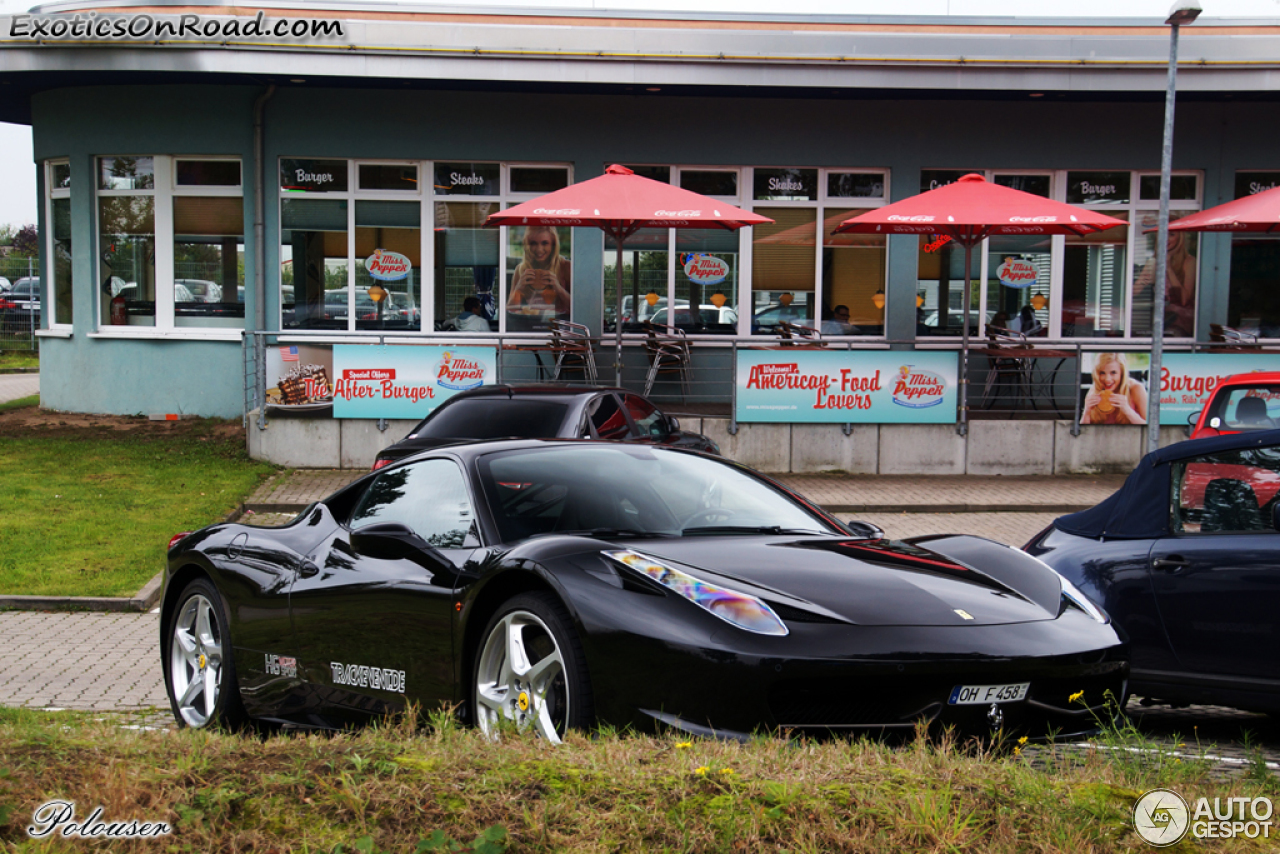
(195, 661)
(521, 678)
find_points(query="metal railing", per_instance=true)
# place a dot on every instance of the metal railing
(1041, 381)
(19, 319)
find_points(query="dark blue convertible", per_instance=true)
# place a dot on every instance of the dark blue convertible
(1186, 559)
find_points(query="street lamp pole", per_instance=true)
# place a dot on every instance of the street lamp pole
(1183, 12)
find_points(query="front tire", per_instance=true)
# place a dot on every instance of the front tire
(531, 671)
(201, 678)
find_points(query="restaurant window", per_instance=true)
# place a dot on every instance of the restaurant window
(58, 184)
(1255, 268)
(693, 279)
(171, 242)
(350, 259)
(1093, 286)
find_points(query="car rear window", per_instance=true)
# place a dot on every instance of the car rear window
(493, 418)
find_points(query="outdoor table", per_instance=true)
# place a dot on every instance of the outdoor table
(1048, 376)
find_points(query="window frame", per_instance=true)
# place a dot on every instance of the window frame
(425, 287)
(745, 199)
(164, 190)
(52, 193)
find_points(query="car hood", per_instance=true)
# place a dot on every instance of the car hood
(868, 582)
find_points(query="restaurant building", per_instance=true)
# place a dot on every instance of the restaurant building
(209, 174)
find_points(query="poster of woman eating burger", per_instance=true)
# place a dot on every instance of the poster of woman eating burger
(1118, 393)
(540, 283)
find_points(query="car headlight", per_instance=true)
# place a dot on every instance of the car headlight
(1081, 601)
(739, 609)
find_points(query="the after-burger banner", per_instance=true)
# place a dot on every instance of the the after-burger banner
(405, 382)
(844, 387)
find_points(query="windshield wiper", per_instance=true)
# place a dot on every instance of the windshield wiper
(748, 529)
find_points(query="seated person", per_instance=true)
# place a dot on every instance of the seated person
(472, 318)
(838, 323)
(1252, 412)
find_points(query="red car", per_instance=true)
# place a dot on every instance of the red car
(1241, 403)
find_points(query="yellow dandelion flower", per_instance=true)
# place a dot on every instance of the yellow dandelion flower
(1017, 751)
(728, 772)
(683, 745)
(1076, 696)
(701, 770)
(1022, 740)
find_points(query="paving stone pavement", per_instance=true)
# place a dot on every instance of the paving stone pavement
(86, 661)
(14, 386)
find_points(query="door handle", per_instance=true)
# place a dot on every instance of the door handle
(1172, 563)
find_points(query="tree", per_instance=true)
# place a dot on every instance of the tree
(26, 242)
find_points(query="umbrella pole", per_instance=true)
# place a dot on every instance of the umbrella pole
(617, 323)
(963, 427)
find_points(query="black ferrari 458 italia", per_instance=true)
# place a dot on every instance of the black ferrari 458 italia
(558, 584)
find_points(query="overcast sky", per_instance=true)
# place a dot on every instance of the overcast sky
(17, 173)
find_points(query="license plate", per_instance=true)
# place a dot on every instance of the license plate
(969, 695)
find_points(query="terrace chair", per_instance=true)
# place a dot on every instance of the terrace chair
(1013, 372)
(793, 334)
(668, 353)
(1236, 338)
(574, 348)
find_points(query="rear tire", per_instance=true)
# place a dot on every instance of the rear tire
(201, 676)
(531, 671)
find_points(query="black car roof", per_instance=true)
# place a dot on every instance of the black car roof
(546, 390)
(1139, 509)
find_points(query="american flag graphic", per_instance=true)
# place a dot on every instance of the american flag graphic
(289, 354)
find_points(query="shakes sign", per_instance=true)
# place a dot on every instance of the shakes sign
(372, 381)
(842, 387)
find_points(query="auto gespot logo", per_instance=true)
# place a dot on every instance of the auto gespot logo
(459, 374)
(358, 383)
(917, 389)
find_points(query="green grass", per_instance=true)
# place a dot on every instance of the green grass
(90, 512)
(20, 403)
(390, 788)
(19, 359)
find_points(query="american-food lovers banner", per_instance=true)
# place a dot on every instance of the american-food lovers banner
(846, 386)
(378, 381)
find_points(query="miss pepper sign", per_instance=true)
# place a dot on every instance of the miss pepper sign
(404, 382)
(846, 387)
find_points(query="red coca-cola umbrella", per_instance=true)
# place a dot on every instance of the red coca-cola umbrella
(969, 211)
(1259, 213)
(620, 203)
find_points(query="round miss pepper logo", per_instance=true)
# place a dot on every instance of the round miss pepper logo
(459, 374)
(917, 389)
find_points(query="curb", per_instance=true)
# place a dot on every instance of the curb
(142, 601)
(19, 370)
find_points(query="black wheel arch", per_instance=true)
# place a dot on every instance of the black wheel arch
(484, 602)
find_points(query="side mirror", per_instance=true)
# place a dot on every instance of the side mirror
(389, 541)
(673, 424)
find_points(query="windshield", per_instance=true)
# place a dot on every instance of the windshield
(1249, 407)
(630, 490)
(494, 418)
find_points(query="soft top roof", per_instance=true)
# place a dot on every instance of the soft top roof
(1139, 509)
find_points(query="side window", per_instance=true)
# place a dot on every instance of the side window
(607, 419)
(1231, 492)
(430, 497)
(649, 420)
